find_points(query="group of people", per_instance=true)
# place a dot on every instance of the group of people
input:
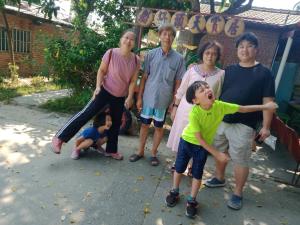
(213, 110)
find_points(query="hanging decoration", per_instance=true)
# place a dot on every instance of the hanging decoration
(215, 24)
(145, 17)
(179, 20)
(162, 16)
(234, 27)
(197, 24)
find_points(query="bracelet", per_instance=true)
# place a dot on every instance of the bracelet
(174, 105)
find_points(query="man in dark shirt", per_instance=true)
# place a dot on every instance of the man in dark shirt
(245, 83)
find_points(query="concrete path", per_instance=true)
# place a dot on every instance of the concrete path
(38, 187)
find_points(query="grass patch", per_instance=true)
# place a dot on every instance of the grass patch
(69, 104)
(8, 92)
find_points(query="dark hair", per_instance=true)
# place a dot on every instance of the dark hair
(100, 118)
(167, 27)
(208, 45)
(249, 36)
(128, 30)
(190, 93)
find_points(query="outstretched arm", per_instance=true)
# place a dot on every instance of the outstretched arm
(270, 106)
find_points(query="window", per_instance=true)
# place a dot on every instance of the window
(3, 40)
(21, 40)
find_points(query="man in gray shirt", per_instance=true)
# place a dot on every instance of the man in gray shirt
(163, 71)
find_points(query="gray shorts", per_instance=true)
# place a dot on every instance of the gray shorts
(237, 139)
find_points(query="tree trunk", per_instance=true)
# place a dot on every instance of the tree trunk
(9, 38)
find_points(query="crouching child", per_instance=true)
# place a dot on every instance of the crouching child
(93, 136)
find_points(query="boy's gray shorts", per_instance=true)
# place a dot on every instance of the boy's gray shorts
(237, 139)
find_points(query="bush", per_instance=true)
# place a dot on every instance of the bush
(74, 64)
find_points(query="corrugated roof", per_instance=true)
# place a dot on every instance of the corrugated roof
(34, 10)
(275, 17)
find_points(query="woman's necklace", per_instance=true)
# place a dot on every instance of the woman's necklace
(204, 74)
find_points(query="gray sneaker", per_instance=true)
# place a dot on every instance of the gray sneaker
(235, 202)
(214, 182)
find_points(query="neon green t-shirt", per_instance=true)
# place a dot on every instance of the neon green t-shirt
(206, 121)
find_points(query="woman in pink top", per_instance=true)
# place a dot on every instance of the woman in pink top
(207, 71)
(116, 80)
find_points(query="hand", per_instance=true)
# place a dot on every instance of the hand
(128, 103)
(173, 113)
(222, 157)
(263, 134)
(96, 92)
(139, 104)
(191, 65)
(271, 106)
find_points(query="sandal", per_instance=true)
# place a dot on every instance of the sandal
(135, 157)
(154, 161)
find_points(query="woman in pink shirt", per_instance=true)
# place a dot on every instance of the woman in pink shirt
(116, 80)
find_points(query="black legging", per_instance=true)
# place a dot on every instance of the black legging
(104, 98)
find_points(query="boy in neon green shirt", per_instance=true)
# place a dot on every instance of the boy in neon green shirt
(197, 138)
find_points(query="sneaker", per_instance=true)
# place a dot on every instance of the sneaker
(235, 202)
(214, 182)
(191, 208)
(75, 154)
(172, 198)
(56, 145)
(117, 156)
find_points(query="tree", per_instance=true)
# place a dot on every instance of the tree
(48, 7)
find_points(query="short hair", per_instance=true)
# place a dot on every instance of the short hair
(190, 93)
(100, 118)
(167, 27)
(249, 36)
(208, 45)
(128, 30)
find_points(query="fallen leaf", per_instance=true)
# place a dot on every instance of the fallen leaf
(97, 173)
(140, 178)
(146, 210)
(13, 189)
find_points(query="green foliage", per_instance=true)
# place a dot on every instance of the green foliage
(166, 4)
(74, 63)
(70, 104)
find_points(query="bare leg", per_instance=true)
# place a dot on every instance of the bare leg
(176, 180)
(100, 142)
(143, 138)
(158, 135)
(195, 187)
(240, 175)
(85, 144)
(79, 140)
(220, 168)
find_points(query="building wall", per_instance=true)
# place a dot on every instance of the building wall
(30, 63)
(268, 40)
